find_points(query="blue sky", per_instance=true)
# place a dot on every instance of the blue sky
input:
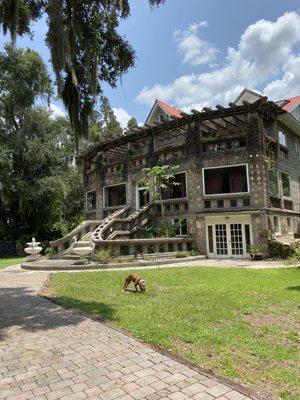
(194, 53)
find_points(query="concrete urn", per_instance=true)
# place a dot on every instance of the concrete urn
(33, 249)
(82, 249)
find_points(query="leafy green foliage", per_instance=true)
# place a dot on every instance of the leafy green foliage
(40, 188)
(132, 124)
(156, 179)
(104, 124)
(166, 230)
(161, 230)
(294, 258)
(23, 80)
(280, 250)
(16, 15)
(182, 254)
(86, 48)
(104, 255)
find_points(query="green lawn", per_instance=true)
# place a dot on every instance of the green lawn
(242, 324)
(6, 262)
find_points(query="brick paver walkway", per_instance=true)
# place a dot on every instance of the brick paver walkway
(48, 353)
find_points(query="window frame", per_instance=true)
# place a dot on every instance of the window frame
(226, 166)
(176, 198)
(285, 136)
(86, 202)
(138, 188)
(286, 173)
(115, 184)
(290, 225)
(278, 184)
(277, 232)
(180, 226)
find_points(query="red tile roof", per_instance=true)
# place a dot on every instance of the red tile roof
(291, 103)
(170, 110)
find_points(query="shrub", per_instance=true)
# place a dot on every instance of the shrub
(49, 251)
(104, 255)
(294, 258)
(164, 230)
(280, 250)
(181, 254)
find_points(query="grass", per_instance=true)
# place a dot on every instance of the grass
(6, 262)
(242, 324)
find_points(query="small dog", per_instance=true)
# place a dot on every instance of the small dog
(138, 281)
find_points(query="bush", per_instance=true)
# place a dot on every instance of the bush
(280, 250)
(164, 230)
(295, 257)
(104, 256)
(181, 254)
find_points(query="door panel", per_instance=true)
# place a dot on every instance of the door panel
(236, 238)
(221, 240)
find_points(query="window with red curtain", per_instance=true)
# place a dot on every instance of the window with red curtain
(213, 181)
(175, 191)
(226, 180)
(238, 180)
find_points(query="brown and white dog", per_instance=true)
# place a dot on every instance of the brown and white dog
(138, 281)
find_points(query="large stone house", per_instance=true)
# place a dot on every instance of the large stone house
(238, 179)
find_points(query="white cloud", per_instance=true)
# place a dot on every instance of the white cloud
(123, 116)
(259, 58)
(289, 85)
(195, 50)
(57, 111)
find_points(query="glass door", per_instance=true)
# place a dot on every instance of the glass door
(236, 240)
(221, 239)
(228, 240)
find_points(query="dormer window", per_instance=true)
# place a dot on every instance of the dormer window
(163, 117)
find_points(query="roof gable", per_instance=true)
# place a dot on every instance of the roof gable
(169, 109)
(247, 95)
(290, 104)
(161, 106)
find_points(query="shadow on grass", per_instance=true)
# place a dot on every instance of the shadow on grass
(102, 310)
(296, 288)
(132, 291)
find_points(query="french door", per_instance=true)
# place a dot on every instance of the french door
(228, 239)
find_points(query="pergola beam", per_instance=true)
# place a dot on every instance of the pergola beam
(234, 111)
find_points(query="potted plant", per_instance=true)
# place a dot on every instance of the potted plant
(256, 252)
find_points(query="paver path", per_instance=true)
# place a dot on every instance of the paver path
(49, 353)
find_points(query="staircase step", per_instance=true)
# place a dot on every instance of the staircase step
(117, 233)
(83, 243)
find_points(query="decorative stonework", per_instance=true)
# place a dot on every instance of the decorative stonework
(239, 135)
